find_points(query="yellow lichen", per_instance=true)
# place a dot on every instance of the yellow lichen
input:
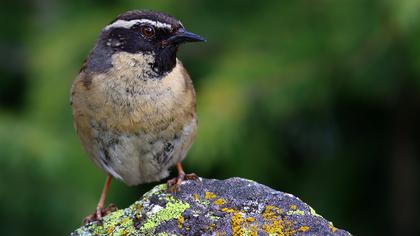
(293, 207)
(209, 195)
(220, 201)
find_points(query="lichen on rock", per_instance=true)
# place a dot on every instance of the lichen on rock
(214, 207)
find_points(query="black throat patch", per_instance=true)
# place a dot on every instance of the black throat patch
(100, 58)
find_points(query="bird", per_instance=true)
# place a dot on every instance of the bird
(133, 102)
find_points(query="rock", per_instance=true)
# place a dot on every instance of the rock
(214, 207)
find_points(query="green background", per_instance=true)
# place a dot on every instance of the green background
(319, 98)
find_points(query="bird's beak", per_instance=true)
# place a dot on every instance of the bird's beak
(183, 36)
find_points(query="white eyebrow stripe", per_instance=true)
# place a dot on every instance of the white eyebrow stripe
(129, 24)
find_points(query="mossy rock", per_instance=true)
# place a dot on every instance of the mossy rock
(214, 207)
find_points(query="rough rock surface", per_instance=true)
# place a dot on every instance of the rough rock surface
(214, 207)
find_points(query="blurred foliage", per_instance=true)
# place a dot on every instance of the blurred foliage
(319, 98)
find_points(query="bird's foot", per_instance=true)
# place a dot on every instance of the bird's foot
(99, 213)
(175, 183)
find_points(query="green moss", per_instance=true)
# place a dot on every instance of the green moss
(172, 210)
(115, 223)
(156, 190)
(313, 212)
(295, 212)
(114, 216)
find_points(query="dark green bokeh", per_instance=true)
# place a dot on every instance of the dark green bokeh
(318, 98)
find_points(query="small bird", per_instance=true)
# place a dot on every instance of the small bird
(134, 103)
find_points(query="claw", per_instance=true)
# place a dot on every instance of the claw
(175, 183)
(99, 214)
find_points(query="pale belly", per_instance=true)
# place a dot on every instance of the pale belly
(140, 157)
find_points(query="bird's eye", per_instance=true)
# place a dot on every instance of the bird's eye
(147, 31)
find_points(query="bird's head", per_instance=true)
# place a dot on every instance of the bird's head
(148, 33)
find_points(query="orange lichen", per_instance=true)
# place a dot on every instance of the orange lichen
(220, 201)
(332, 228)
(253, 232)
(250, 219)
(274, 220)
(236, 224)
(209, 195)
(271, 212)
(180, 221)
(275, 224)
(304, 228)
(243, 226)
(275, 227)
(109, 230)
(227, 210)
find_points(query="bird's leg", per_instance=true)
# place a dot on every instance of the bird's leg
(102, 199)
(174, 183)
(100, 210)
